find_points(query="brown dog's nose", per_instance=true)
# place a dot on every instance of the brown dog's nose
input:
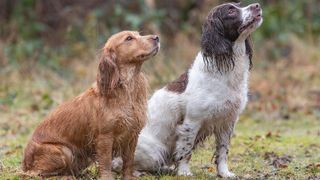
(255, 7)
(156, 38)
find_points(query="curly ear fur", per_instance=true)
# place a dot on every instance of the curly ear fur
(215, 47)
(108, 74)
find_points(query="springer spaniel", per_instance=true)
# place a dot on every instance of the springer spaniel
(106, 118)
(207, 99)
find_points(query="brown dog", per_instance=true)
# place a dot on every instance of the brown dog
(107, 118)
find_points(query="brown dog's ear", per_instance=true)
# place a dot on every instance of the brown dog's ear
(108, 74)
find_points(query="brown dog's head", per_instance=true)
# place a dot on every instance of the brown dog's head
(126, 49)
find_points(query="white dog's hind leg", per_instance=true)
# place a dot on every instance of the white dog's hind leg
(187, 133)
(117, 164)
(223, 132)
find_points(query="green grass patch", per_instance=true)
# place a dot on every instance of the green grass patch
(259, 149)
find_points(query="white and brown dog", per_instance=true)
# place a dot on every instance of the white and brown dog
(207, 99)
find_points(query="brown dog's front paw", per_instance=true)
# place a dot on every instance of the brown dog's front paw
(129, 178)
(106, 177)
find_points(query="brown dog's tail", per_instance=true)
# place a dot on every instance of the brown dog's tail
(28, 156)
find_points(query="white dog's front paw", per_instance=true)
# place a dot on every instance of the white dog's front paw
(226, 174)
(184, 169)
(184, 173)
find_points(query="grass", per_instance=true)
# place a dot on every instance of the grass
(254, 140)
(260, 149)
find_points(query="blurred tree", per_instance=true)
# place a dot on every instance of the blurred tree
(31, 25)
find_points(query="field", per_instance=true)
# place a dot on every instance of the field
(45, 61)
(277, 137)
(282, 149)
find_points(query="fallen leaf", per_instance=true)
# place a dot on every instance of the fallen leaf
(282, 162)
(269, 134)
(211, 169)
(270, 155)
(278, 161)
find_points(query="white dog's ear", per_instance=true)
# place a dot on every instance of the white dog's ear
(215, 47)
(108, 75)
(249, 50)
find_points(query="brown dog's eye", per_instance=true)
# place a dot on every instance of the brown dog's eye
(129, 38)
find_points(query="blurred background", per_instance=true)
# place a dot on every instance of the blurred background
(48, 53)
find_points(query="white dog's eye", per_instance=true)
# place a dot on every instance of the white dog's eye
(231, 10)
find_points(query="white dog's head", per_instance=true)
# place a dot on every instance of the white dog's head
(224, 25)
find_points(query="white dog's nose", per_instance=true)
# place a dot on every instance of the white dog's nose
(255, 7)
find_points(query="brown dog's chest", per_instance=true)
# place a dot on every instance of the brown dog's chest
(123, 119)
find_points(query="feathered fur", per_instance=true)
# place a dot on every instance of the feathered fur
(206, 100)
(106, 118)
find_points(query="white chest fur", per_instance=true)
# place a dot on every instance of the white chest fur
(213, 94)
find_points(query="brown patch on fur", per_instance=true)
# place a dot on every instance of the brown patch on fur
(179, 85)
(219, 32)
(104, 119)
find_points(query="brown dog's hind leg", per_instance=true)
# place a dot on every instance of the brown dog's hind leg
(47, 160)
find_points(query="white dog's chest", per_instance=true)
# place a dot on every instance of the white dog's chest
(212, 96)
(215, 105)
